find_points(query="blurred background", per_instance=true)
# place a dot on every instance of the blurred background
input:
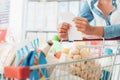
(25, 19)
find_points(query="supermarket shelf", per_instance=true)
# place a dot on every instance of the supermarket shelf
(38, 31)
(53, 0)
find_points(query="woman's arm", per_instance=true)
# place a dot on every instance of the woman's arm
(83, 26)
(85, 11)
(112, 31)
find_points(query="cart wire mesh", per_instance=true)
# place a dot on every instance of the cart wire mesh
(90, 68)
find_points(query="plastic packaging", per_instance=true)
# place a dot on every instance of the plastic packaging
(97, 51)
(88, 70)
(56, 47)
(2, 35)
(47, 47)
(107, 62)
(63, 56)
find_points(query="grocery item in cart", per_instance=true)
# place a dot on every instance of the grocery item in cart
(56, 47)
(63, 75)
(64, 54)
(7, 55)
(2, 34)
(96, 50)
(34, 59)
(106, 62)
(88, 70)
(57, 54)
(47, 47)
(38, 57)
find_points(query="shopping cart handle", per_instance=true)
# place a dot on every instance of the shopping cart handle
(116, 38)
(87, 39)
(21, 72)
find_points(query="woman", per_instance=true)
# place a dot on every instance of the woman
(105, 13)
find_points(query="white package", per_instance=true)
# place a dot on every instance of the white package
(73, 33)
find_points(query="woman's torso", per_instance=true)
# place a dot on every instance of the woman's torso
(109, 17)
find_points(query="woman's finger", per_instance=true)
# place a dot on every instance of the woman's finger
(80, 19)
(63, 28)
(63, 35)
(62, 31)
(80, 22)
(80, 26)
(65, 24)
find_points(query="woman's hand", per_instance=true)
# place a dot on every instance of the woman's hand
(63, 30)
(83, 25)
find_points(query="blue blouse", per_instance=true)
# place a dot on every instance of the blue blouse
(111, 29)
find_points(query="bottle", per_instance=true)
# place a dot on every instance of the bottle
(56, 47)
(106, 72)
(96, 50)
(47, 47)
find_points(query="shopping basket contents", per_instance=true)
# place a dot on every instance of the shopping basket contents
(107, 62)
(88, 70)
(32, 59)
(7, 54)
(38, 58)
(3, 32)
(17, 72)
(64, 54)
(75, 62)
(31, 54)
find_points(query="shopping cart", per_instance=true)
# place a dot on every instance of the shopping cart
(91, 68)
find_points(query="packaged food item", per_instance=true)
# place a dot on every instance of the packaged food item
(89, 69)
(58, 54)
(3, 32)
(64, 54)
(47, 47)
(97, 51)
(106, 62)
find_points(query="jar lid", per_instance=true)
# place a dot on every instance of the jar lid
(65, 50)
(108, 51)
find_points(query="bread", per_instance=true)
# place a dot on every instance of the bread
(76, 57)
(88, 70)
